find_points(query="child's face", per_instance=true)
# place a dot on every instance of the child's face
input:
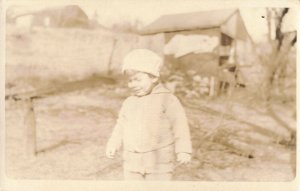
(140, 83)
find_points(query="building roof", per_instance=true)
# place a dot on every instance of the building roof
(230, 22)
(65, 13)
(188, 21)
(236, 23)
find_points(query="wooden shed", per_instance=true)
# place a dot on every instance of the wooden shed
(205, 44)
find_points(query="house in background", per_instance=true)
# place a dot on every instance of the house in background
(70, 16)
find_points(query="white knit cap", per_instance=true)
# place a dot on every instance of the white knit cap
(142, 60)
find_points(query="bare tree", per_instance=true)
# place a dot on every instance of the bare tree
(275, 64)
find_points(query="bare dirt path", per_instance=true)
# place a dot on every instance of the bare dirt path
(72, 130)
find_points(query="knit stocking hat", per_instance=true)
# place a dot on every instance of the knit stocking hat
(142, 60)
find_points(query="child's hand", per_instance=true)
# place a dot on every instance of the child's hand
(110, 152)
(183, 158)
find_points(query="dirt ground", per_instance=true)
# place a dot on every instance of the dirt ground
(73, 128)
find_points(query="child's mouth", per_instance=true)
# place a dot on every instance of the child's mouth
(137, 92)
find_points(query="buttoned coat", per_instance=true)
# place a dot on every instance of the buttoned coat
(152, 123)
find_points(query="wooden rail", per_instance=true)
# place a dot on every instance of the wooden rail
(29, 97)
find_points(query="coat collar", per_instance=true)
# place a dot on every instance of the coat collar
(159, 88)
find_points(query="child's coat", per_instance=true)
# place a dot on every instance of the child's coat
(151, 128)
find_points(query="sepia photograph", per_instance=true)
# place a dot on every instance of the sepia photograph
(159, 90)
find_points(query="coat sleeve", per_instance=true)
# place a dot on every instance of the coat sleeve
(116, 138)
(180, 126)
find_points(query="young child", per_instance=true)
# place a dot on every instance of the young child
(152, 125)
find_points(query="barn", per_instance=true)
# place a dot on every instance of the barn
(69, 16)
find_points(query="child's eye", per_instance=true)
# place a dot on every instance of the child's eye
(137, 79)
(132, 80)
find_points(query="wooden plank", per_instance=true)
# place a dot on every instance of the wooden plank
(30, 125)
(109, 67)
(93, 81)
(28, 98)
(212, 86)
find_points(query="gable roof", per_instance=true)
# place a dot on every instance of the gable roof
(62, 16)
(229, 21)
(188, 21)
(236, 23)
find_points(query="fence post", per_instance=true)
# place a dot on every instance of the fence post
(109, 67)
(212, 86)
(30, 125)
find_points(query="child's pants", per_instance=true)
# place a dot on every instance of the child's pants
(129, 175)
(152, 165)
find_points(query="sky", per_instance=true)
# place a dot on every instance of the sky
(111, 11)
(118, 11)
